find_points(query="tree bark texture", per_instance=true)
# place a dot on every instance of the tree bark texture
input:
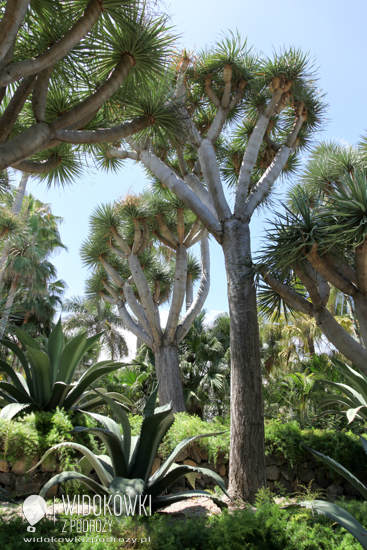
(169, 377)
(8, 305)
(247, 468)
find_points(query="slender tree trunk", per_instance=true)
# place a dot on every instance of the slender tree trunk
(9, 303)
(17, 205)
(189, 291)
(169, 377)
(25, 320)
(247, 468)
(311, 345)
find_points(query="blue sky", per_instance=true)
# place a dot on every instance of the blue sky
(333, 31)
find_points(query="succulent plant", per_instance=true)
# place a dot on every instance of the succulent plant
(49, 374)
(333, 511)
(126, 470)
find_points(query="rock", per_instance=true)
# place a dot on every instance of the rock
(306, 475)
(49, 465)
(226, 481)
(20, 467)
(222, 470)
(272, 473)
(4, 466)
(288, 473)
(194, 453)
(286, 484)
(189, 462)
(207, 479)
(180, 482)
(277, 460)
(271, 486)
(321, 479)
(23, 465)
(221, 458)
(30, 488)
(209, 465)
(201, 482)
(182, 455)
(350, 490)
(312, 463)
(156, 465)
(7, 479)
(203, 453)
(52, 492)
(334, 491)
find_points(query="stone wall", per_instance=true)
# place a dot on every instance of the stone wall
(13, 476)
(278, 473)
(15, 480)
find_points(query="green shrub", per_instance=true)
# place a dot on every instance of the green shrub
(342, 446)
(270, 528)
(35, 433)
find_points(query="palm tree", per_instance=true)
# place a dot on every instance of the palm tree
(27, 264)
(204, 369)
(95, 317)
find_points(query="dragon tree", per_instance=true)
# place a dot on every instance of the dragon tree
(74, 74)
(244, 119)
(319, 244)
(137, 277)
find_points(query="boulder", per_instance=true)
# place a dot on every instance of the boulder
(350, 490)
(7, 479)
(306, 474)
(287, 472)
(156, 465)
(286, 485)
(277, 460)
(203, 453)
(222, 470)
(189, 462)
(194, 454)
(182, 455)
(334, 492)
(272, 473)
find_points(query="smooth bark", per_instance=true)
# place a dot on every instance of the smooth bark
(57, 51)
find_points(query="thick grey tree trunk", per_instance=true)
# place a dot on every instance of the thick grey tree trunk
(169, 377)
(247, 468)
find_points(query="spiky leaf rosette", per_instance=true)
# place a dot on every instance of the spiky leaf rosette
(49, 374)
(126, 470)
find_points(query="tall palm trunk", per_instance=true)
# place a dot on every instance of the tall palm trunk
(8, 305)
(17, 205)
(247, 468)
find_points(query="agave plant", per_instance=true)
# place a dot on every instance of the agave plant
(355, 395)
(333, 511)
(126, 470)
(49, 374)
